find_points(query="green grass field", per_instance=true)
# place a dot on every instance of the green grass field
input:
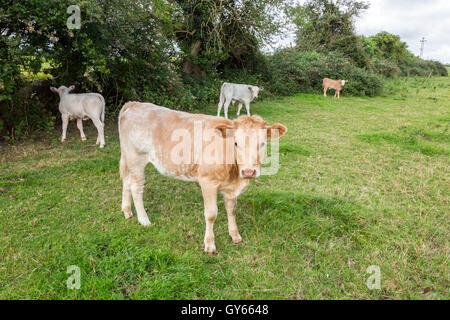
(362, 182)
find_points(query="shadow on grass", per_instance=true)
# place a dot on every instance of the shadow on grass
(115, 266)
(312, 217)
(415, 139)
(294, 148)
(38, 176)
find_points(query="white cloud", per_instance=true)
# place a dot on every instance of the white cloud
(411, 20)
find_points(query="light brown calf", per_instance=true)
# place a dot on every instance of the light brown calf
(178, 145)
(337, 85)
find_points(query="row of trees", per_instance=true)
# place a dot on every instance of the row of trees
(154, 50)
(328, 26)
(177, 52)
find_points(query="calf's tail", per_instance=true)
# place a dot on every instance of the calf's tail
(103, 111)
(123, 168)
(222, 96)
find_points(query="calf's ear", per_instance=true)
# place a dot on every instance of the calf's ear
(54, 89)
(224, 128)
(276, 131)
(71, 88)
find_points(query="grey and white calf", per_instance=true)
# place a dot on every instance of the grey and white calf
(232, 92)
(81, 107)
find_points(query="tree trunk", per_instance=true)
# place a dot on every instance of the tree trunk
(189, 67)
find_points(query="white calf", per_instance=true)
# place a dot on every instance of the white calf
(232, 92)
(81, 107)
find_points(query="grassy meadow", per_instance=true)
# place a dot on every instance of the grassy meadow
(362, 181)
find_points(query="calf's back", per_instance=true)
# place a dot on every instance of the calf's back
(82, 105)
(334, 84)
(150, 132)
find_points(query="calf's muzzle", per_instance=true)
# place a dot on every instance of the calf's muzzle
(248, 173)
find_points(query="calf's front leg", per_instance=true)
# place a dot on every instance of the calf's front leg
(247, 106)
(209, 192)
(65, 122)
(230, 206)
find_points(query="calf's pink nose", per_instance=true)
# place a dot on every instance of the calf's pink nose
(249, 173)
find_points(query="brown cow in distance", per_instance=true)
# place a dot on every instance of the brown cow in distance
(337, 85)
(220, 154)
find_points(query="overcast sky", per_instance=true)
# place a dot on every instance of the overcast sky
(410, 19)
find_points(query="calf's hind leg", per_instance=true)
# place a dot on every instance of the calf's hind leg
(219, 107)
(137, 179)
(80, 127)
(239, 109)
(101, 135)
(225, 108)
(126, 197)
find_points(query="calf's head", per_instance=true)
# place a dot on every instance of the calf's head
(254, 91)
(247, 137)
(343, 82)
(63, 90)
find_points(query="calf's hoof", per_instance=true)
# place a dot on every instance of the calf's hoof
(144, 221)
(211, 253)
(237, 241)
(211, 250)
(236, 237)
(102, 146)
(83, 139)
(128, 214)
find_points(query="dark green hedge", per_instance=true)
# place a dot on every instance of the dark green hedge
(293, 71)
